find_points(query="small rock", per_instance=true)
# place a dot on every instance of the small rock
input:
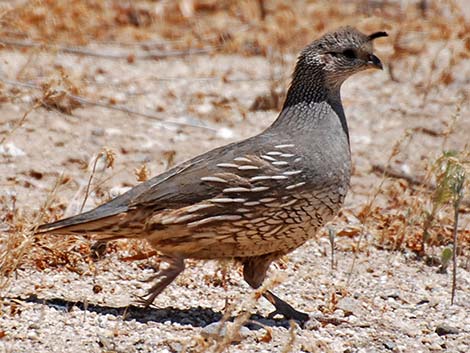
(204, 108)
(34, 326)
(119, 97)
(408, 329)
(99, 131)
(10, 150)
(391, 295)
(220, 329)
(312, 324)
(176, 346)
(27, 99)
(116, 191)
(350, 306)
(389, 345)
(225, 133)
(434, 347)
(423, 301)
(443, 330)
(32, 335)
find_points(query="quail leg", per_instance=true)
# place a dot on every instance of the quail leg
(164, 277)
(98, 249)
(254, 273)
(284, 308)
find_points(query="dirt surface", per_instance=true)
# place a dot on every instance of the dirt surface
(383, 300)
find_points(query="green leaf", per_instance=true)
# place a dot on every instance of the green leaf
(446, 256)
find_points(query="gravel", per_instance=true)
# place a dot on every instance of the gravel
(390, 302)
(44, 313)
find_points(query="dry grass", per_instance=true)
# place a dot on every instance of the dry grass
(85, 22)
(413, 216)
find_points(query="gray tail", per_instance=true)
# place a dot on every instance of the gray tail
(95, 219)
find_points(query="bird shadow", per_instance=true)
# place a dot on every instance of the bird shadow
(195, 316)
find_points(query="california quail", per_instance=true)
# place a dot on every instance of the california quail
(257, 199)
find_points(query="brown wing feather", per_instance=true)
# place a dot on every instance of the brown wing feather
(181, 187)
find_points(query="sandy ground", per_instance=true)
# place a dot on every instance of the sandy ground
(389, 302)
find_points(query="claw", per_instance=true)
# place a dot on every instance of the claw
(284, 309)
(290, 314)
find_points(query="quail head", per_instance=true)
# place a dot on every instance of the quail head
(255, 200)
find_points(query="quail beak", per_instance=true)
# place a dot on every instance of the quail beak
(374, 62)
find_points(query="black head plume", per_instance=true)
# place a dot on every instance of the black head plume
(377, 35)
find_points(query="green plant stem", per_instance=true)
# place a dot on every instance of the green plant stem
(454, 252)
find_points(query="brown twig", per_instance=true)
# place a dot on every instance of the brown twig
(428, 131)
(367, 209)
(87, 191)
(121, 108)
(125, 109)
(19, 123)
(454, 250)
(289, 346)
(393, 173)
(126, 55)
(458, 189)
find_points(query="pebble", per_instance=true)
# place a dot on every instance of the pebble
(390, 345)
(435, 347)
(350, 306)
(32, 335)
(215, 330)
(204, 108)
(225, 133)
(443, 330)
(99, 131)
(10, 150)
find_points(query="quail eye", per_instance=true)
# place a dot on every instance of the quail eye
(349, 53)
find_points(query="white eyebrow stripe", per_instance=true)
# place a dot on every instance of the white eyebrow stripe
(293, 186)
(214, 179)
(293, 172)
(215, 218)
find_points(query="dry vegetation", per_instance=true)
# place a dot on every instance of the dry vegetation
(413, 210)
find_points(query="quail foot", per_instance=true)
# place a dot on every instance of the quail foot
(254, 200)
